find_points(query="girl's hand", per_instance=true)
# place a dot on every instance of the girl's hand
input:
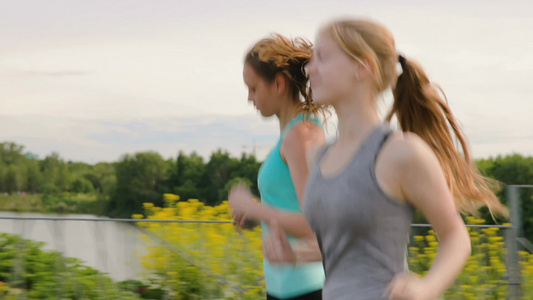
(241, 201)
(407, 287)
(276, 246)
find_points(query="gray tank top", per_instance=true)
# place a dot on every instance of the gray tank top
(362, 233)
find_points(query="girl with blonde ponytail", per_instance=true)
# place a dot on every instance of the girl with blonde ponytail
(363, 188)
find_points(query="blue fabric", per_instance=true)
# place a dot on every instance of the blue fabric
(277, 190)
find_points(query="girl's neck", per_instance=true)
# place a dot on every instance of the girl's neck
(356, 118)
(286, 114)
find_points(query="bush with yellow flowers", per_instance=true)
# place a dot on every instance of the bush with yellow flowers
(214, 261)
(484, 275)
(526, 266)
(201, 260)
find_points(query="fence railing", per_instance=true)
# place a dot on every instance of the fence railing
(59, 234)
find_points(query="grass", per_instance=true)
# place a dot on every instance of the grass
(19, 203)
(61, 203)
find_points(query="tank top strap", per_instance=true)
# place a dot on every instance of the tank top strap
(385, 131)
(297, 119)
(321, 153)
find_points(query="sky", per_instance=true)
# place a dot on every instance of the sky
(94, 80)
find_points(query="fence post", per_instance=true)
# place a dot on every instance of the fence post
(513, 268)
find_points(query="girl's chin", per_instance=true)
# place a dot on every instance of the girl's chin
(265, 114)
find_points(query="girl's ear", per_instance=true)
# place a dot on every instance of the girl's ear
(281, 84)
(363, 70)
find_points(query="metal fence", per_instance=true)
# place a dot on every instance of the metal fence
(59, 229)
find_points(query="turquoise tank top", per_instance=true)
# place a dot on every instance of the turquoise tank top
(277, 190)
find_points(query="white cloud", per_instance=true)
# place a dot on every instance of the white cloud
(79, 77)
(104, 140)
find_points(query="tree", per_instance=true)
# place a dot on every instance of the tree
(82, 185)
(13, 167)
(140, 178)
(190, 178)
(13, 179)
(34, 177)
(55, 172)
(103, 178)
(186, 177)
(248, 167)
(218, 171)
(513, 170)
(11, 153)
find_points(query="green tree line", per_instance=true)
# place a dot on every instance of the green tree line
(146, 176)
(20, 172)
(123, 186)
(512, 170)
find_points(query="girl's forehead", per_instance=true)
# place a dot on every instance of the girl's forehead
(319, 38)
(324, 37)
(324, 41)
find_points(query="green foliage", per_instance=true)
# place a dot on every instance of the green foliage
(484, 275)
(55, 172)
(141, 178)
(34, 179)
(102, 177)
(82, 185)
(19, 203)
(54, 203)
(21, 172)
(72, 203)
(50, 189)
(201, 261)
(13, 179)
(137, 286)
(120, 187)
(526, 266)
(512, 169)
(186, 176)
(221, 169)
(144, 177)
(26, 269)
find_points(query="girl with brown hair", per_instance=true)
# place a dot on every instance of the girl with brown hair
(277, 86)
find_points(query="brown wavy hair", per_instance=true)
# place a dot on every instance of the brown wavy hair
(419, 108)
(278, 54)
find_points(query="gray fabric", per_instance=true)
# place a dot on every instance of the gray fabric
(362, 233)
